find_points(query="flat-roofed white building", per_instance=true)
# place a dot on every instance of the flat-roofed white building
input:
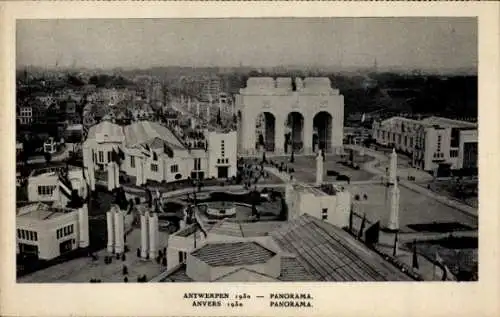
(431, 142)
(150, 151)
(47, 232)
(331, 203)
(48, 185)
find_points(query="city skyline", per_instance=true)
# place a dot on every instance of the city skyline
(404, 43)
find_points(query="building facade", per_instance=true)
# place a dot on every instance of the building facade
(152, 152)
(431, 142)
(301, 115)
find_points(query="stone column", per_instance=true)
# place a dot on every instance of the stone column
(279, 135)
(144, 235)
(110, 230)
(111, 176)
(119, 238)
(248, 132)
(117, 175)
(308, 135)
(153, 235)
(83, 226)
(139, 171)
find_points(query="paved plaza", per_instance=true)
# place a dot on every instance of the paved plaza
(82, 270)
(415, 208)
(305, 168)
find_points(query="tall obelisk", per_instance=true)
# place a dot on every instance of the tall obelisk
(393, 221)
(394, 194)
(393, 167)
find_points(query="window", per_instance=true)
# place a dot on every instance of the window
(44, 190)
(132, 161)
(109, 157)
(406, 140)
(154, 167)
(19, 233)
(439, 143)
(174, 168)
(324, 214)
(36, 236)
(155, 156)
(218, 161)
(453, 153)
(222, 149)
(101, 157)
(411, 142)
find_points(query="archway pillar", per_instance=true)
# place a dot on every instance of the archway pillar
(279, 135)
(248, 132)
(308, 134)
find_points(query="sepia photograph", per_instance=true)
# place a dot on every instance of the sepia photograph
(247, 150)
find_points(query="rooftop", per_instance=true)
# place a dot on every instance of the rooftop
(330, 254)
(41, 211)
(146, 132)
(233, 254)
(448, 123)
(291, 271)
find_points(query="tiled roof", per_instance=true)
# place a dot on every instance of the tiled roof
(233, 254)
(245, 275)
(227, 228)
(106, 131)
(293, 271)
(330, 254)
(446, 122)
(146, 131)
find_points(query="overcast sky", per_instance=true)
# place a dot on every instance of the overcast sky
(394, 42)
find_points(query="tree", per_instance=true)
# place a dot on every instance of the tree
(47, 156)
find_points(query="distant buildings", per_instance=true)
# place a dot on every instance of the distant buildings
(211, 89)
(432, 142)
(45, 232)
(25, 114)
(150, 151)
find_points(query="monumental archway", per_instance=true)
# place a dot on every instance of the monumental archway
(322, 131)
(265, 131)
(278, 115)
(294, 132)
